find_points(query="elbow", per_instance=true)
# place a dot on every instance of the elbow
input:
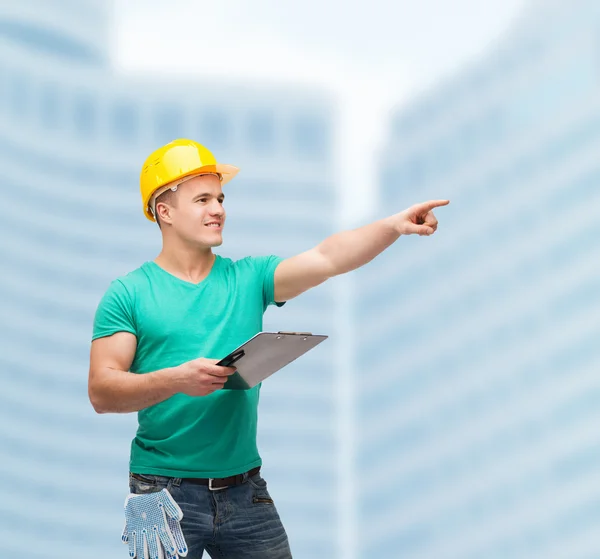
(99, 409)
(96, 402)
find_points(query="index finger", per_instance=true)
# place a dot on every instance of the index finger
(428, 206)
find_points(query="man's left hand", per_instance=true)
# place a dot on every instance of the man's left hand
(418, 219)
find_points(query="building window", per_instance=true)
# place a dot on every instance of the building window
(50, 106)
(260, 132)
(215, 129)
(124, 121)
(168, 124)
(84, 115)
(310, 137)
(18, 92)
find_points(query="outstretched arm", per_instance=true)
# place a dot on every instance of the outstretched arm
(349, 250)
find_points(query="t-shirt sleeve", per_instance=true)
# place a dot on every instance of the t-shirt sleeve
(265, 268)
(114, 313)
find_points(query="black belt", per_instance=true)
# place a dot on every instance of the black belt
(222, 482)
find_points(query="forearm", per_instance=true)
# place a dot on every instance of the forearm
(349, 250)
(124, 392)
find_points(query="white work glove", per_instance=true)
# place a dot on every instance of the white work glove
(152, 527)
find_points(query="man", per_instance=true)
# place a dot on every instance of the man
(195, 478)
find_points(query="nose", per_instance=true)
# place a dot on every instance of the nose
(216, 208)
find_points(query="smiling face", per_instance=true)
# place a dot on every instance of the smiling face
(195, 212)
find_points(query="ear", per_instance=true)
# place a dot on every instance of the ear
(164, 212)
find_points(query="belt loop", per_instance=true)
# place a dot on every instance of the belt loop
(176, 481)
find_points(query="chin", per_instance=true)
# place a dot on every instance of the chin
(216, 243)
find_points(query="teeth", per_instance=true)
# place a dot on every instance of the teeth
(213, 225)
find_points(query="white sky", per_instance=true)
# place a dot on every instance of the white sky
(372, 54)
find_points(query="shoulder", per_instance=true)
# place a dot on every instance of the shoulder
(136, 278)
(126, 285)
(240, 265)
(257, 263)
(116, 310)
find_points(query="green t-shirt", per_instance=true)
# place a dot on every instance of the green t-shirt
(176, 321)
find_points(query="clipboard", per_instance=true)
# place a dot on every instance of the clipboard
(265, 354)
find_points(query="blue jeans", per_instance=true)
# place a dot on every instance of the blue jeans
(239, 522)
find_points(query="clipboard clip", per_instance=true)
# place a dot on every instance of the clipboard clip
(296, 333)
(231, 358)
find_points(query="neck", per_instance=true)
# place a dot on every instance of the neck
(188, 263)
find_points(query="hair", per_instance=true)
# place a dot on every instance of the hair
(167, 197)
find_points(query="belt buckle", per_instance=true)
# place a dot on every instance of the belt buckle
(210, 485)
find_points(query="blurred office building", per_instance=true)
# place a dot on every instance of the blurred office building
(477, 378)
(73, 137)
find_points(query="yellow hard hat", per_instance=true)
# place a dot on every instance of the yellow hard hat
(177, 160)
